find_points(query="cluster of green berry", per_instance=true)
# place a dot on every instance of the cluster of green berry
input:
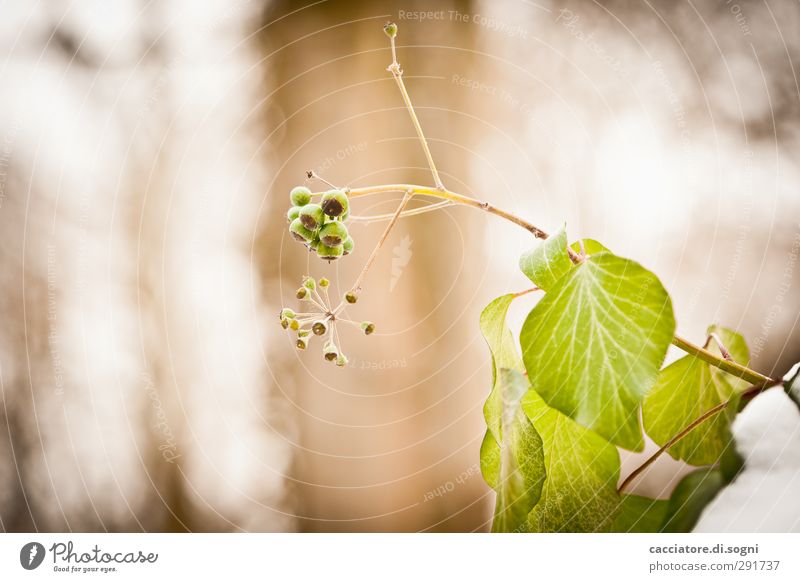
(321, 320)
(321, 226)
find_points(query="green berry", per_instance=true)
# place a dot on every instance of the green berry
(390, 28)
(287, 313)
(294, 212)
(324, 282)
(294, 325)
(351, 297)
(301, 343)
(300, 232)
(368, 327)
(309, 283)
(330, 351)
(334, 203)
(319, 327)
(333, 234)
(313, 244)
(304, 333)
(311, 216)
(284, 323)
(329, 253)
(300, 196)
(348, 245)
(301, 293)
(341, 360)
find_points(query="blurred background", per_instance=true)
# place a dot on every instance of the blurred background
(147, 153)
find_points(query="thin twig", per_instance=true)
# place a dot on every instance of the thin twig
(311, 174)
(747, 394)
(453, 197)
(458, 199)
(525, 292)
(405, 213)
(356, 289)
(310, 298)
(722, 349)
(397, 73)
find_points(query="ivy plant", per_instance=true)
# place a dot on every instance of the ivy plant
(584, 378)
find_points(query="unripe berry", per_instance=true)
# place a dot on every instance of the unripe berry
(333, 234)
(368, 327)
(351, 297)
(319, 327)
(300, 232)
(309, 283)
(329, 253)
(348, 245)
(300, 196)
(301, 343)
(311, 216)
(390, 28)
(287, 313)
(304, 333)
(334, 203)
(284, 323)
(341, 360)
(301, 293)
(324, 282)
(294, 325)
(293, 213)
(313, 244)
(330, 351)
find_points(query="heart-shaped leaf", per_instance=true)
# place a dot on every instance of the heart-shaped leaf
(594, 344)
(688, 388)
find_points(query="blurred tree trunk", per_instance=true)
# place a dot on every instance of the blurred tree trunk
(378, 440)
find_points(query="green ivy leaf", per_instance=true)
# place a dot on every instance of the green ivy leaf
(504, 355)
(520, 474)
(594, 344)
(547, 262)
(791, 383)
(690, 497)
(639, 514)
(580, 492)
(684, 391)
(590, 246)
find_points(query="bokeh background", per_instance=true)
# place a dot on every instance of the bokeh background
(147, 153)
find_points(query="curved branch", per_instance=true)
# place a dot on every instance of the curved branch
(445, 194)
(749, 393)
